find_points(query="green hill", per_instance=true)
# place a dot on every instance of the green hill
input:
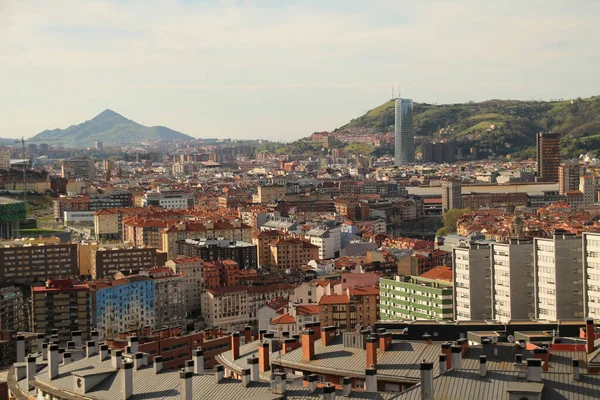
(110, 128)
(497, 127)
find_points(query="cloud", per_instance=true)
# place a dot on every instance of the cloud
(162, 61)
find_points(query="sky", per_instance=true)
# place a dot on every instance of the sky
(277, 69)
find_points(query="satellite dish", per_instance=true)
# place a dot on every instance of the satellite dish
(358, 327)
(510, 338)
(369, 328)
(494, 339)
(522, 345)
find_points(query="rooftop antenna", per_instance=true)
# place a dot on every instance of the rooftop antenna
(399, 91)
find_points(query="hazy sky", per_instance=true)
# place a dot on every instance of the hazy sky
(278, 69)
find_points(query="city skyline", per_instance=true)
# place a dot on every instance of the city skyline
(187, 65)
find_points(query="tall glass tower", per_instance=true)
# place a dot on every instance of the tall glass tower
(404, 152)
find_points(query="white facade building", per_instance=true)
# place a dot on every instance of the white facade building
(591, 274)
(472, 282)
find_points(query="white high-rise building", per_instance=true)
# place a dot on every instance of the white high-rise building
(558, 277)
(472, 283)
(404, 152)
(512, 280)
(591, 274)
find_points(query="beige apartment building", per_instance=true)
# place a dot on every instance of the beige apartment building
(226, 308)
(192, 271)
(269, 194)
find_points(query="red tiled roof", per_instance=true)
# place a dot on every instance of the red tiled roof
(307, 309)
(283, 319)
(335, 299)
(442, 273)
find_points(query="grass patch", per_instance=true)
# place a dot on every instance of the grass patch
(38, 231)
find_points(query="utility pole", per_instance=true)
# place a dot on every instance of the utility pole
(24, 176)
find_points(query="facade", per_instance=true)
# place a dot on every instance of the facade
(439, 152)
(588, 188)
(292, 253)
(413, 298)
(169, 200)
(78, 168)
(404, 152)
(512, 280)
(61, 305)
(105, 262)
(169, 297)
(568, 177)
(451, 194)
(226, 308)
(262, 241)
(192, 271)
(270, 194)
(4, 159)
(548, 156)
(357, 306)
(472, 282)
(591, 274)
(27, 263)
(243, 253)
(260, 296)
(221, 273)
(328, 240)
(122, 305)
(558, 277)
(13, 310)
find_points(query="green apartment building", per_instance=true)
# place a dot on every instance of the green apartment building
(413, 297)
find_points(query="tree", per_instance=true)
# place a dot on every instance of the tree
(451, 218)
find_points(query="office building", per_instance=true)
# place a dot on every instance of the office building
(39, 262)
(61, 305)
(558, 277)
(568, 177)
(122, 305)
(472, 282)
(451, 194)
(548, 156)
(413, 297)
(591, 274)
(404, 151)
(243, 253)
(512, 280)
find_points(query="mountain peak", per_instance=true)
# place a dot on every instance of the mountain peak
(108, 113)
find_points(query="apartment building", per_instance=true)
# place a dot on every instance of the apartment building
(61, 305)
(38, 262)
(169, 297)
(591, 274)
(414, 298)
(260, 296)
(328, 240)
(558, 277)
(169, 200)
(13, 309)
(262, 241)
(357, 306)
(292, 253)
(192, 271)
(221, 273)
(226, 308)
(269, 194)
(4, 159)
(78, 168)
(107, 261)
(451, 194)
(512, 280)
(472, 282)
(243, 253)
(108, 223)
(122, 305)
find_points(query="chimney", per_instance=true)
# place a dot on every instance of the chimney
(158, 363)
(115, 359)
(264, 364)
(371, 347)
(426, 380)
(308, 345)
(371, 379)
(31, 371)
(316, 327)
(235, 345)
(261, 334)
(138, 360)
(189, 366)
(427, 338)
(246, 377)
(456, 354)
(590, 335)
(329, 392)
(198, 357)
(518, 358)
(66, 358)
(103, 354)
(544, 355)
(385, 340)
(247, 334)
(534, 370)
(126, 380)
(219, 373)
(443, 365)
(482, 366)
(76, 338)
(71, 345)
(464, 345)
(54, 337)
(446, 349)
(311, 381)
(185, 385)
(91, 348)
(254, 371)
(20, 348)
(278, 383)
(328, 335)
(53, 361)
(289, 344)
(576, 372)
(44, 351)
(346, 386)
(60, 355)
(39, 341)
(133, 344)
